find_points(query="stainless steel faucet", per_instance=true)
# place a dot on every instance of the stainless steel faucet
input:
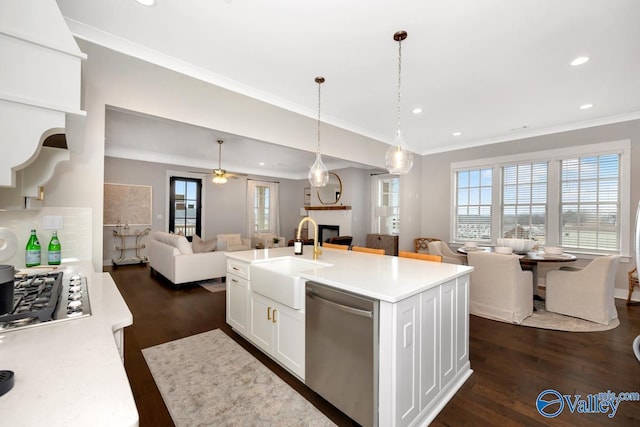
(316, 248)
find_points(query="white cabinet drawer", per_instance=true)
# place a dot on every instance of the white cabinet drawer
(237, 268)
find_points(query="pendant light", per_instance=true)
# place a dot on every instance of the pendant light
(219, 175)
(398, 159)
(318, 174)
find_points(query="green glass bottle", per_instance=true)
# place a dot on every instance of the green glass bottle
(33, 250)
(54, 249)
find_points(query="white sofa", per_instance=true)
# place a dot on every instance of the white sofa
(173, 257)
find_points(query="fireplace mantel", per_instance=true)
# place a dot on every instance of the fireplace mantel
(328, 208)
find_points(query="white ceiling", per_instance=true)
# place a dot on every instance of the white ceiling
(494, 70)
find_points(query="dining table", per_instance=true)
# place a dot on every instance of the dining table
(528, 261)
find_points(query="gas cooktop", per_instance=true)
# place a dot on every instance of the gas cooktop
(41, 299)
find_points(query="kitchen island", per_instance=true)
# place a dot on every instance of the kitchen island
(423, 324)
(71, 373)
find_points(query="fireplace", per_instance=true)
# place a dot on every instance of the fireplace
(327, 231)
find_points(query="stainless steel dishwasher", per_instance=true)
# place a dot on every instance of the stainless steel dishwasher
(341, 350)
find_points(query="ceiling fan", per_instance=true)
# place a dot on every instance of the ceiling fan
(220, 175)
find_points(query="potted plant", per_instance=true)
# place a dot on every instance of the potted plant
(276, 242)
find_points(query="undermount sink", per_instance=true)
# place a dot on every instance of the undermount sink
(279, 279)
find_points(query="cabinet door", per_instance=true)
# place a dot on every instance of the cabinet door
(429, 346)
(289, 338)
(407, 353)
(462, 322)
(447, 332)
(261, 322)
(237, 290)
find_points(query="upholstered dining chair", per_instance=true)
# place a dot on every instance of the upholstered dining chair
(367, 250)
(441, 248)
(334, 246)
(586, 293)
(421, 244)
(498, 288)
(424, 257)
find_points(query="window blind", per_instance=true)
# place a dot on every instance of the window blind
(590, 202)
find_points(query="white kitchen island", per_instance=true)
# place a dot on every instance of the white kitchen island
(423, 347)
(71, 373)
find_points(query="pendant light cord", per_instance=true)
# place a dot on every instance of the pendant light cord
(399, 81)
(319, 85)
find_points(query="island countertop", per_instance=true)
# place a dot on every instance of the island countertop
(71, 373)
(386, 278)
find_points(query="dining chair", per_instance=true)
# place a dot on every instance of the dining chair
(439, 247)
(499, 288)
(633, 282)
(424, 257)
(368, 250)
(421, 244)
(334, 246)
(587, 293)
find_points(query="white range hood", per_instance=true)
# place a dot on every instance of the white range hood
(40, 84)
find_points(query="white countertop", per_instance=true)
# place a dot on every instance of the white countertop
(386, 278)
(70, 373)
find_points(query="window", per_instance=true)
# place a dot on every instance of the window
(185, 206)
(473, 204)
(524, 201)
(590, 202)
(262, 207)
(386, 216)
(575, 197)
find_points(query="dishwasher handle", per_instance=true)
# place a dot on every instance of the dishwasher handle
(342, 307)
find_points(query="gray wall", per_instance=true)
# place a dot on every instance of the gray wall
(224, 206)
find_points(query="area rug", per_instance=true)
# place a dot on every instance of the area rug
(214, 285)
(541, 318)
(210, 380)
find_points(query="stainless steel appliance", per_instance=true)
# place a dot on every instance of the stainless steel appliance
(341, 348)
(43, 298)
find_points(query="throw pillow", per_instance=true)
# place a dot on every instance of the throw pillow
(200, 245)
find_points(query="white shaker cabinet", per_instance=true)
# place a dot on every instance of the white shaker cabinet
(276, 329)
(237, 294)
(279, 331)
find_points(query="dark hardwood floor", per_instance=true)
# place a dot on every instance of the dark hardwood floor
(511, 364)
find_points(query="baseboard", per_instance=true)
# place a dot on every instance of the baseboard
(624, 293)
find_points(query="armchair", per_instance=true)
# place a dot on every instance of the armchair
(499, 289)
(586, 293)
(266, 240)
(438, 247)
(232, 243)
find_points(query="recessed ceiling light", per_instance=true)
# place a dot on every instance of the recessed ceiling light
(146, 2)
(261, 163)
(417, 110)
(457, 133)
(586, 106)
(579, 60)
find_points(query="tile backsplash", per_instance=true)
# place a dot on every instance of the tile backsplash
(75, 235)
